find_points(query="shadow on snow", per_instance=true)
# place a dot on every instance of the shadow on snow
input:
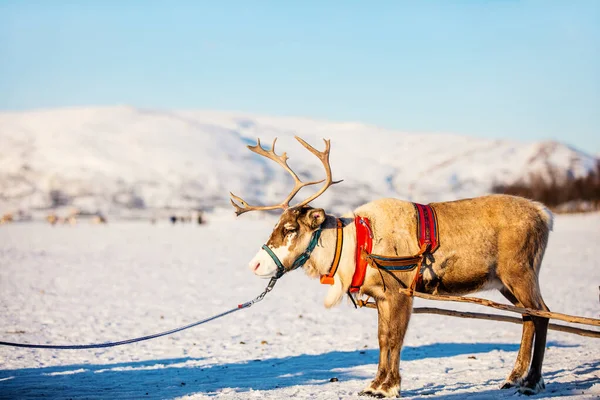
(170, 378)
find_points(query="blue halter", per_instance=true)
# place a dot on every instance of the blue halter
(300, 260)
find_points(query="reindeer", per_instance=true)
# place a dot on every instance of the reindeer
(490, 242)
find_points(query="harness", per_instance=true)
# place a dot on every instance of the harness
(300, 260)
(339, 243)
(428, 239)
(427, 226)
(364, 244)
(427, 236)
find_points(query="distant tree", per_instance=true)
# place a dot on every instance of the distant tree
(129, 199)
(554, 191)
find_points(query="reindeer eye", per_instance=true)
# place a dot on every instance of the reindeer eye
(289, 229)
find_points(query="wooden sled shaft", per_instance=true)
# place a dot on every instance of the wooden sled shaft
(496, 317)
(505, 307)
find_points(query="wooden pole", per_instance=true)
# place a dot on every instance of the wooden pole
(505, 307)
(503, 318)
(495, 317)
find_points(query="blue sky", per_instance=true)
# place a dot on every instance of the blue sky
(503, 69)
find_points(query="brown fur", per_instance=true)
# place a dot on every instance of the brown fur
(487, 242)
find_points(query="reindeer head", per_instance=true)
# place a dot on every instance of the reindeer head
(289, 239)
(299, 227)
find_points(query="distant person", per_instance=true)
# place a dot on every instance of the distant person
(99, 219)
(6, 218)
(52, 219)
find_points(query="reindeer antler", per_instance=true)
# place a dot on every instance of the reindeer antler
(298, 184)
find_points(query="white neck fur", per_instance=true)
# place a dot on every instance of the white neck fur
(322, 257)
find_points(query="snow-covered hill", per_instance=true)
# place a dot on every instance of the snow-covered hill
(119, 158)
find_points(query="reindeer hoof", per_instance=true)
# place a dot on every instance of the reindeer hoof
(511, 382)
(368, 392)
(381, 393)
(390, 392)
(371, 393)
(528, 387)
(507, 385)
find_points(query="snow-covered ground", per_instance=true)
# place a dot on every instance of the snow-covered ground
(87, 283)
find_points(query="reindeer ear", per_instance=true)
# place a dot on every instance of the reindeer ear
(315, 217)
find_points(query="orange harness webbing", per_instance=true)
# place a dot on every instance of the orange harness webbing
(339, 243)
(364, 244)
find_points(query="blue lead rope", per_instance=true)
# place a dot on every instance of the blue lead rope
(148, 337)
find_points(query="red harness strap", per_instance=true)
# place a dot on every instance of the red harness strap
(364, 241)
(427, 232)
(427, 235)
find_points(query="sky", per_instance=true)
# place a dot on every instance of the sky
(527, 70)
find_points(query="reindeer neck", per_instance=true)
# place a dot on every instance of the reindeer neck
(323, 255)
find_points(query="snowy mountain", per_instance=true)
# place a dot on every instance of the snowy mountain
(121, 158)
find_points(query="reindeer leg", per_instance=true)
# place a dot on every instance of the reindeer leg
(524, 357)
(526, 290)
(383, 332)
(393, 316)
(533, 382)
(401, 308)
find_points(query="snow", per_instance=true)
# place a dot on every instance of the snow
(115, 159)
(89, 283)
